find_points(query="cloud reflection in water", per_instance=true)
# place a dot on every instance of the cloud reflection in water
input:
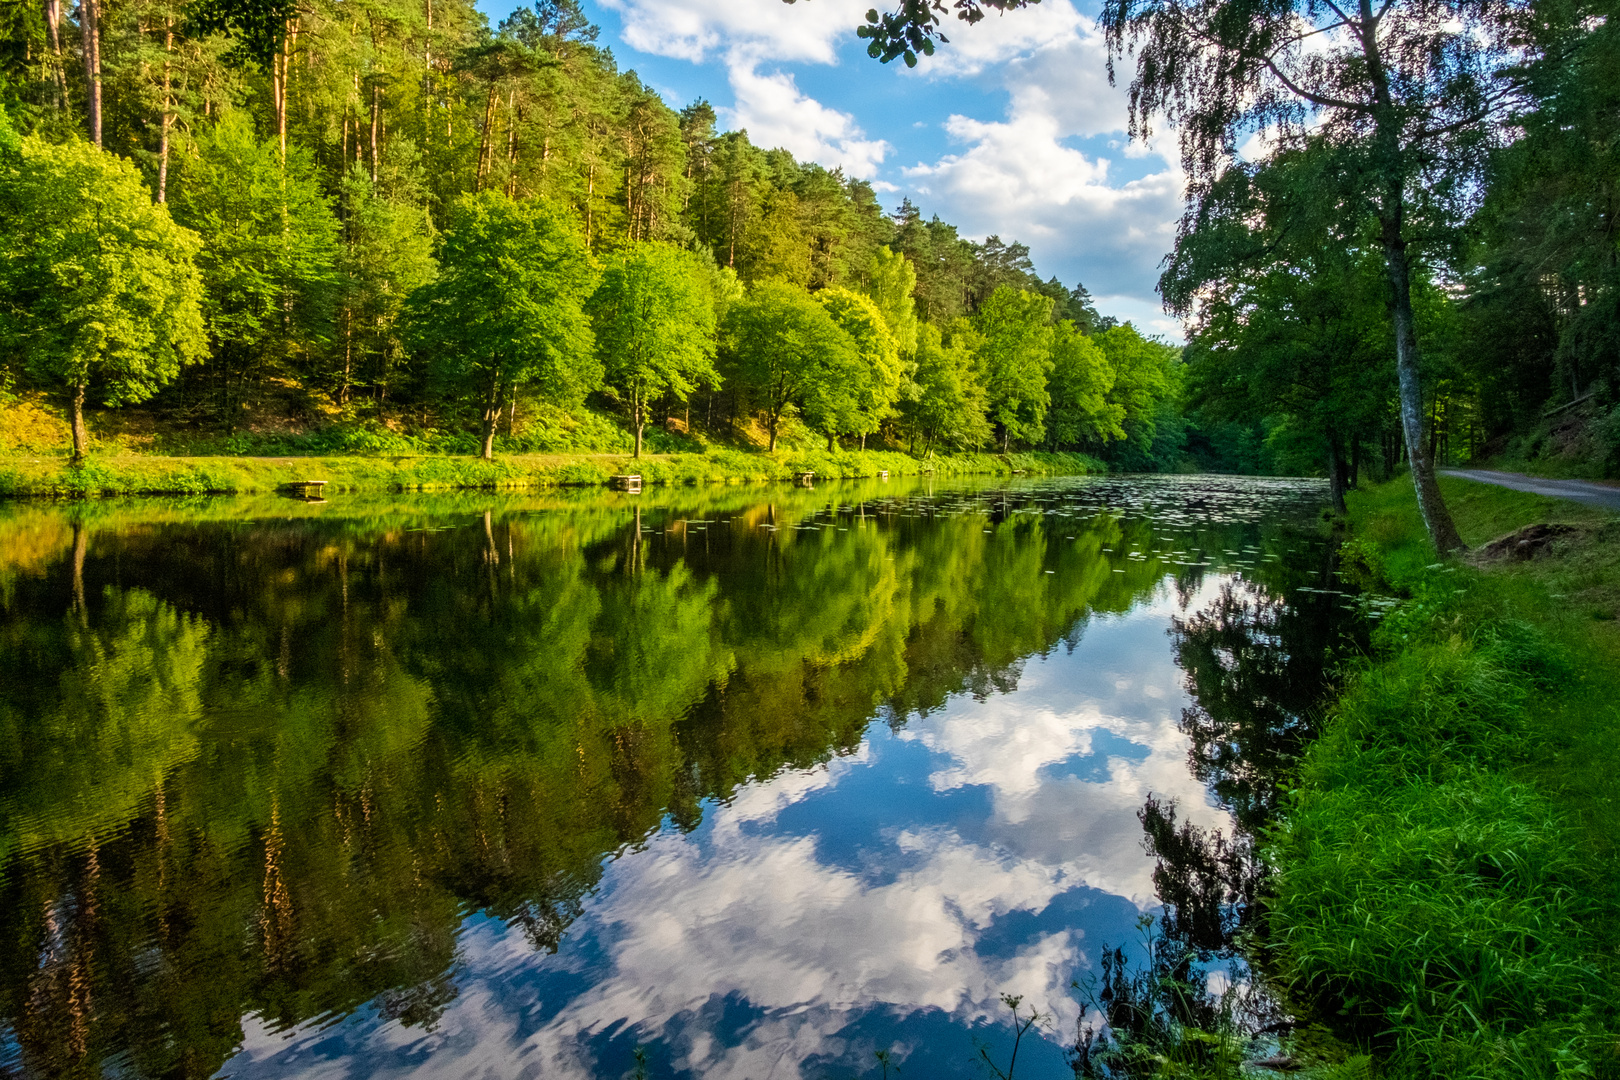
(884, 899)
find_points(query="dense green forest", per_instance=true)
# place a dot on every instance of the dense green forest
(394, 227)
(403, 228)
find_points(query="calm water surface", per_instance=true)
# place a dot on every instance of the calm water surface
(730, 782)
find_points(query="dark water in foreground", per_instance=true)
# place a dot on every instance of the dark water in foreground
(749, 782)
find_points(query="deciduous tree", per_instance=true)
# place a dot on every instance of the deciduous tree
(98, 290)
(654, 319)
(1015, 357)
(507, 310)
(1407, 91)
(786, 351)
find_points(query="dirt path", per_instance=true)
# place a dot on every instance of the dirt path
(1590, 492)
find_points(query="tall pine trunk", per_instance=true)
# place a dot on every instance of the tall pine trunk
(53, 26)
(168, 115)
(90, 32)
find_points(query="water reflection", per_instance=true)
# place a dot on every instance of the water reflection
(755, 781)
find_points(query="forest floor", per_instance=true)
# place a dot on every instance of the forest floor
(1447, 869)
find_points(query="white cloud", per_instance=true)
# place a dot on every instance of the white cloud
(1022, 177)
(775, 112)
(701, 30)
(746, 35)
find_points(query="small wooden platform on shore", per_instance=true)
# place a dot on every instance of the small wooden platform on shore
(630, 482)
(303, 489)
(805, 479)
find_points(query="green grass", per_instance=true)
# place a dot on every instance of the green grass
(138, 474)
(1447, 884)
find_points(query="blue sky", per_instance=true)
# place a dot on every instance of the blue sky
(1011, 129)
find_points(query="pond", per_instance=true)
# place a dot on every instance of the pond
(708, 782)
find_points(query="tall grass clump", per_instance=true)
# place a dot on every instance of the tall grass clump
(1432, 901)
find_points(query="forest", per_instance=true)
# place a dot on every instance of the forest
(395, 227)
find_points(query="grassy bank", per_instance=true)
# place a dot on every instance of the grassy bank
(1447, 871)
(142, 474)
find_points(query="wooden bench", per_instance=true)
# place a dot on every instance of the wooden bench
(805, 479)
(630, 483)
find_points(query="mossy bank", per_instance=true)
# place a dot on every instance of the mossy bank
(139, 474)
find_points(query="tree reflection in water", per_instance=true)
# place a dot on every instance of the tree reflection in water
(1258, 662)
(261, 764)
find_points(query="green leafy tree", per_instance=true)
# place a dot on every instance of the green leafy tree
(387, 254)
(1081, 414)
(948, 405)
(1407, 91)
(786, 352)
(1016, 356)
(507, 310)
(1147, 387)
(1291, 319)
(269, 257)
(654, 319)
(882, 373)
(98, 290)
(893, 279)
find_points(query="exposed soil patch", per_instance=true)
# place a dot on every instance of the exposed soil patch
(1530, 542)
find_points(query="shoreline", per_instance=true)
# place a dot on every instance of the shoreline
(1443, 895)
(27, 476)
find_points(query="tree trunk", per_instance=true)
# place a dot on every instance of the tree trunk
(829, 442)
(1442, 531)
(81, 436)
(641, 421)
(1335, 471)
(511, 143)
(281, 71)
(376, 113)
(348, 354)
(53, 26)
(492, 418)
(483, 144)
(772, 447)
(90, 30)
(168, 115)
